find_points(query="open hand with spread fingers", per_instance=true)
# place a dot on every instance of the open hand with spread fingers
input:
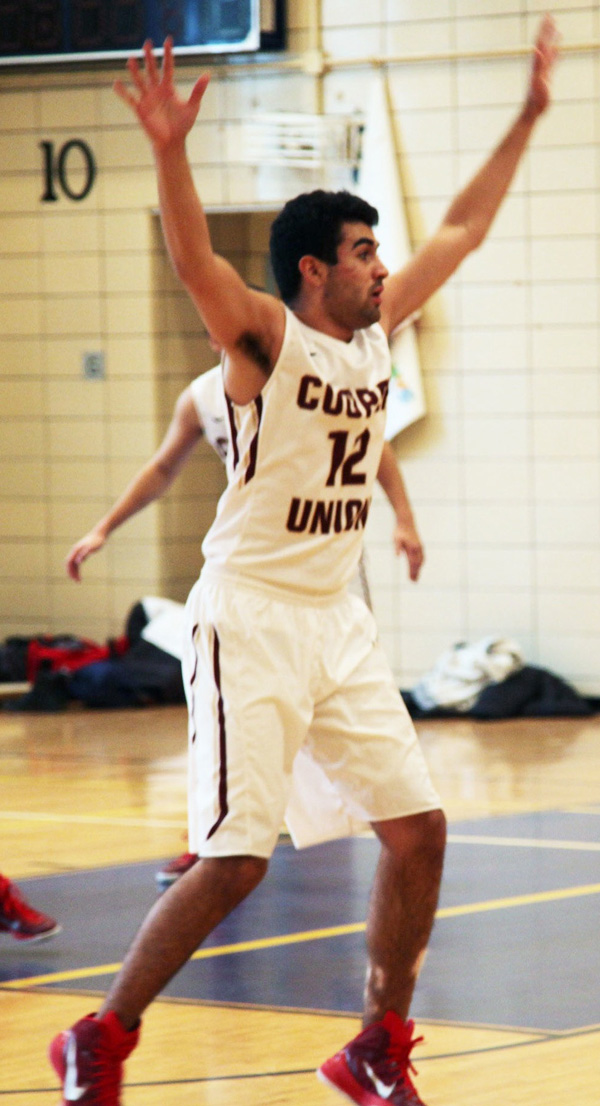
(165, 117)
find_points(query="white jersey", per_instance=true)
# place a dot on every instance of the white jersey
(209, 401)
(302, 459)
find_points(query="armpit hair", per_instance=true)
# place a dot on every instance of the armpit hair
(249, 345)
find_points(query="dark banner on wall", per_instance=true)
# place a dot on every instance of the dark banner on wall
(47, 31)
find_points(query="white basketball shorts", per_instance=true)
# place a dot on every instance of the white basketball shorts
(267, 677)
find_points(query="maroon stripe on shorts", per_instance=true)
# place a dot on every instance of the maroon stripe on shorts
(233, 429)
(223, 806)
(258, 403)
(193, 681)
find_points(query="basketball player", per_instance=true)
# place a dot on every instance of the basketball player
(200, 411)
(281, 659)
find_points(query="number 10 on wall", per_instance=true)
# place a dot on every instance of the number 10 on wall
(56, 170)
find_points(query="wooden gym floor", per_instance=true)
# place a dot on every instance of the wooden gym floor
(509, 998)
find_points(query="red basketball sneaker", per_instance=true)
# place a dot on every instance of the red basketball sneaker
(373, 1069)
(20, 919)
(175, 868)
(88, 1059)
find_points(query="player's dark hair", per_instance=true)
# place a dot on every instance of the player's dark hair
(312, 224)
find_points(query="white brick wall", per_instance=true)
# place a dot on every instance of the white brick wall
(504, 471)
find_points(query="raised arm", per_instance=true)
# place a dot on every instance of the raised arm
(247, 324)
(406, 537)
(148, 484)
(472, 212)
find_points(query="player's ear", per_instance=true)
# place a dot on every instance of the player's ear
(312, 270)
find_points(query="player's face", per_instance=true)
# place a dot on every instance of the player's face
(354, 287)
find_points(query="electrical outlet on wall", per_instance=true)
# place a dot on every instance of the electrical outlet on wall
(93, 365)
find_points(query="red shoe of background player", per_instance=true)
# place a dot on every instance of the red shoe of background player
(175, 868)
(20, 919)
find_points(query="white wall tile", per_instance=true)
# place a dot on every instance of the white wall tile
(60, 109)
(426, 132)
(20, 275)
(20, 193)
(479, 85)
(568, 612)
(494, 349)
(19, 153)
(565, 348)
(428, 606)
(504, 393)
(567, 480)
(427, 479)
(498, 437)
(354, 42)
(427, 175)
(492, 32)
(499, 480)
(500, 569)
(18, 111)
(573, 568)
(33, 597)
(566, 524)
(338, 13)
(498, 260)
(505, 613)
(561, 303)
(497, 524)
(559, 170)
(564, 259)
(491, 304)
(410, 10)
(419, 37)
(19, 234)
(563, 214)
(20, 316)
(568, 392)
(540, 6)
(420, 87)
(570, 436)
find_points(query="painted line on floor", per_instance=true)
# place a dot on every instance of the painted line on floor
(523, 842)
(310, 935)
(92, 820)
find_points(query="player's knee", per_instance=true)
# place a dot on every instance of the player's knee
(434, 834)
(426, 844)
(249, 871)
(415, 838)
(229, 879)
(425, 838)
